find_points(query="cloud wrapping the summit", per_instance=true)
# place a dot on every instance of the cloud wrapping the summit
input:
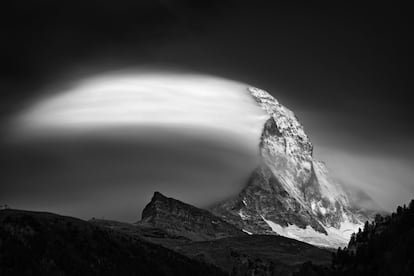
(134, 99)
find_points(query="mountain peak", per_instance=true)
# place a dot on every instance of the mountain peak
(158, 196)
(291, 193)
(182, 219)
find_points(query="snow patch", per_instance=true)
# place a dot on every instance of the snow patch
(335, 238)
(322, 210)
(329, 188)
(243, 216)
(313, 206)
(318, 208)
(247, 232)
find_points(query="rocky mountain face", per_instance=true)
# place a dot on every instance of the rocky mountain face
(291, 193)
(181, 219)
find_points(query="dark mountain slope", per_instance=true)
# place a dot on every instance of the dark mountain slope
(36, 243)
(247, 255)
(255, 254)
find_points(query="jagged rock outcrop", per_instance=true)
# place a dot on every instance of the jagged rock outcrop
(291, 193)
(181, 219)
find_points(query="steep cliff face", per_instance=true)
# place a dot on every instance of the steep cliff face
(290, 194)
(181, 219)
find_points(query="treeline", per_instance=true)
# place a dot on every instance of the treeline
(384, 247)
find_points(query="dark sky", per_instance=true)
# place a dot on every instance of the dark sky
(343, 69)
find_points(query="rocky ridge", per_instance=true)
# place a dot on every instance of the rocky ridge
(181, 219)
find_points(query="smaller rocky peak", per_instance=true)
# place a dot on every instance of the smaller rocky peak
(182, 219)
(160, 205)
(157, 196)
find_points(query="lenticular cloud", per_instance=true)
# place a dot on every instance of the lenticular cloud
(144, 99)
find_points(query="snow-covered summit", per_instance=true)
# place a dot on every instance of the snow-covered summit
(291, 194)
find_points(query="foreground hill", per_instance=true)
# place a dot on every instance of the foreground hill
(256, 254)
(195, 233)
(37, 243)
(246, 255)
(383, 247)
